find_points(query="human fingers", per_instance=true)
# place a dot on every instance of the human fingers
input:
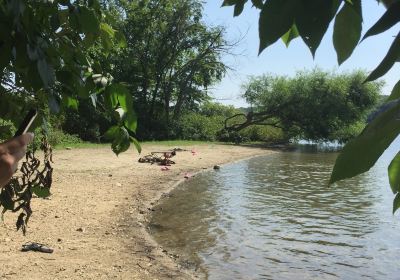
(14, 166)
(19, 154)
(19, 142)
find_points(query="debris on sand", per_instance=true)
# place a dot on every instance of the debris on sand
(162, 158)
(36, 247)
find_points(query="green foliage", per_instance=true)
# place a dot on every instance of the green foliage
(394, 173)
(7, 130)
(313, 105)
(263, 133)
(87, 123)
(57, 137)
(46, 59)
(208, 124)
(205, 124)
(347, 30)
(194, 126)
(41, 192)
(360, 154)
(170, 60)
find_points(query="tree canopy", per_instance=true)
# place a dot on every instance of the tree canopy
(313, 105)
(170, 59)
(46, 61)
(309, 20)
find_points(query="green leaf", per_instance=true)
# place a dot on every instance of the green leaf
(41, 192)
(394, 174)
(111, 133)
(312, 20)
(123, 96)
(388, 61)
(276, 18)
(136, 143)
(360, 154)
(120, 39)
(46, 73)
(257, 3)
(88, 21)
(347, 30)
(395, 92)
(229, 3)
(111, 97)
(121, 142)
(70, 102)
(239, 7)
(107, 29)
(396, 203)
(388, 20)
(131, 121)
(290, 35)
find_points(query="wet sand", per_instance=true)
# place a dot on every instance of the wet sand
(96, 218)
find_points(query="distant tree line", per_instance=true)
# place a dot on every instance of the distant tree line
(313, 105)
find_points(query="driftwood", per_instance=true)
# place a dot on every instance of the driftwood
(162, 158)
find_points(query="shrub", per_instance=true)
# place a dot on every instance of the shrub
(194, 126)
(263, 133)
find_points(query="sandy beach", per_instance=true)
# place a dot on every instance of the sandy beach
(96, 218)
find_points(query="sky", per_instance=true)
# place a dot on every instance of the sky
(277, 59)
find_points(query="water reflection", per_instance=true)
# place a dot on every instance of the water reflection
(275, 217)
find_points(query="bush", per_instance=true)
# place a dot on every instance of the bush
(56, 137)
(230, 136)
(263, 133)
(87, 123)
(208, 124)
(194, 126)
(7, 130)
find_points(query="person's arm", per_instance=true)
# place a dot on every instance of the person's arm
(11, 152)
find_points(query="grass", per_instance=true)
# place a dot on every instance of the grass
(176, 143)
(167, 143)
(81, 145)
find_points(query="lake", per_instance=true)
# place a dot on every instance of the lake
(275, 217)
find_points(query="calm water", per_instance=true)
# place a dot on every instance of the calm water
(275, 217)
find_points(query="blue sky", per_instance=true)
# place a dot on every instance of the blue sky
(280, 60)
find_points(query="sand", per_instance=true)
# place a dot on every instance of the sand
(97, 215)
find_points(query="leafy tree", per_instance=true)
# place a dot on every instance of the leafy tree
(204, 123)
(309, 20)
(45, 62)
(170, 60)
(314, 105)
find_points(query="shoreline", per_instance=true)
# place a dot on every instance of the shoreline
(96, 220)
(157, 201)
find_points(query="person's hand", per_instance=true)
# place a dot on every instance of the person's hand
(11, 152)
